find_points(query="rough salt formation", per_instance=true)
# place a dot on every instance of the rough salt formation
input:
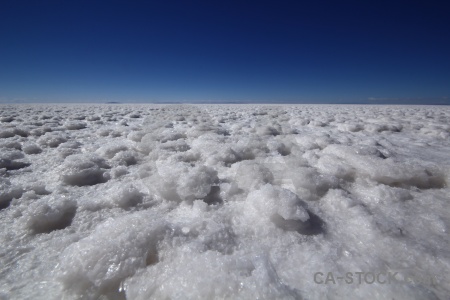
(223, 201)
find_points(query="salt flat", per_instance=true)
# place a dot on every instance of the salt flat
(224, 201)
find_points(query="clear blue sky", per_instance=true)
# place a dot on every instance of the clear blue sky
(287, 51)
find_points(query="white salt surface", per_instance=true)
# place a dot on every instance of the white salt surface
(224, 201)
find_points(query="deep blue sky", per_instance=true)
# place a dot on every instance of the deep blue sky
(288, 51)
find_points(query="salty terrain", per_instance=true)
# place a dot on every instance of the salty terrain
(224, 201)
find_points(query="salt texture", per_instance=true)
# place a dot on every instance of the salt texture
(223, 201)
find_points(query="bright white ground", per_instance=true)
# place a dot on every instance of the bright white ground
(223, 201)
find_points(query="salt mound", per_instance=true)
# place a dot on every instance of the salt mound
(387, 171)
(110, 150)
(48, 214)
(97, 264)
(31, 148)
(83, 169)
(12, 160)
(181, 182)
(75, 125)
(8, 192)
(281, 207)
(52, 139)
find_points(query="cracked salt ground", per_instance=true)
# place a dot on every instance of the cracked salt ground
(222, 201)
